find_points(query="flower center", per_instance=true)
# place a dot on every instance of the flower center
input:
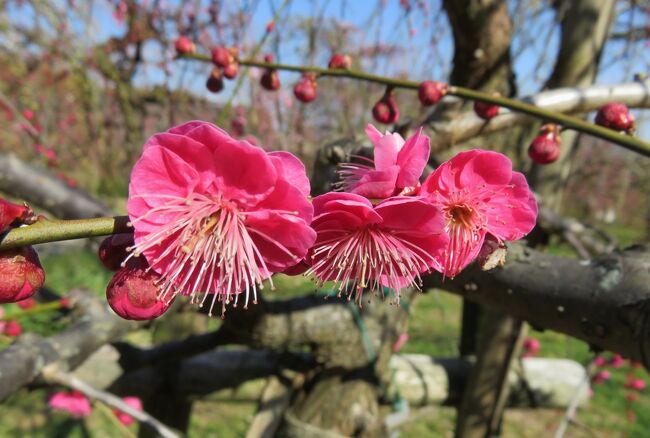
(204, 249)
(369, 258)
(461, 215)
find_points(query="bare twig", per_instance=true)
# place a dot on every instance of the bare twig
(52, 374)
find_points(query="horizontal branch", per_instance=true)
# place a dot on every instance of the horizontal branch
(604, 301)
(570, 100)
(45, 231)
(629, 142)
(38, 187)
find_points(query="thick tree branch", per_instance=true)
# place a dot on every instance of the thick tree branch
(604, 301)
(38, 187)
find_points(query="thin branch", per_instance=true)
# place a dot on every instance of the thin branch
(45, 231)
(629, 142)
(54, 375)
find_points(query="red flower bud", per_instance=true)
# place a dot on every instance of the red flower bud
(615, 116)
(270, 80)
(386, 110)
(270, 26)
(214, 84)
(21, 274)
(13, 328)
(65, 303)
(133, 293)
(113, 250)
(430, 92)
(545, 148)
(485, 110)
(305, 89)
(340, 61)
(268, 58)
(231, 70)
(13, 213)
(184, 46)
(222, 57)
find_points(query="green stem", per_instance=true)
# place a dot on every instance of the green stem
(39, 308)
(51, 231)
(629, 142)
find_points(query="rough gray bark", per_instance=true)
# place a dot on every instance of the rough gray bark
(604, 301)
(40, 188)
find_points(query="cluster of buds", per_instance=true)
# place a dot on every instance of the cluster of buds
(616, 116)
(21, 273)
(270, 79)
(225, 60)
(385, 110)
(545, 147)
(305, 88)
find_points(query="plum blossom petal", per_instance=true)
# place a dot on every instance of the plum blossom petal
(73, 403)
(395, 169)
(479, 194)
(292, 169)
(371, 247)
(215, 216)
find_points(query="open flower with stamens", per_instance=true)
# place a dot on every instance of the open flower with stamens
(395, 170)
(368, 247)
(215, 216)
(479, 194)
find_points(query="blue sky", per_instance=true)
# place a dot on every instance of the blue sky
(374, 22)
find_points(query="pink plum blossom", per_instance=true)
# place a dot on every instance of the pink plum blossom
(617, 361)
(531, 347)
(601, 377)
(600, 361)
(73, 402)
(479, 194)
(217, 216)
(371, 246)
(124, 418)
(395, 170)
(636, 384)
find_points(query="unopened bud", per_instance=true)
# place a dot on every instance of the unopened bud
(270, 80)
(13, 328)
(485, 110)
(385, 110)
(11, 213)
(616, 116)
(113, 250)
(133, 292)
(184, 46)
(340, 61)
(214, 84)
(231, 70)
(545, 148)
(305, 89)
(222, 56)
(21, 274)
(430, 92)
